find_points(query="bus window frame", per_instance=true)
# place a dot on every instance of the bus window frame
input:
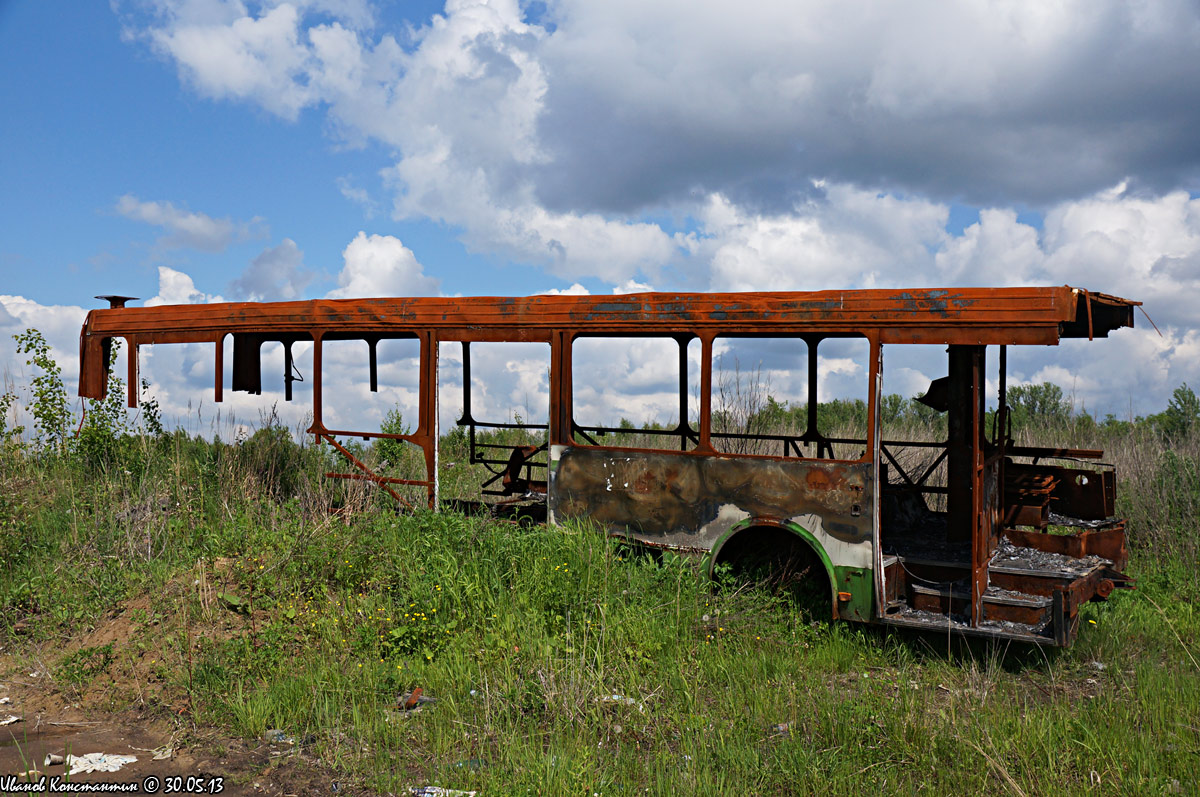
(682, 430)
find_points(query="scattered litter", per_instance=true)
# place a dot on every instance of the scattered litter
(276, 736)
(97, 762)
(1098, 666)
(4, 701)
(414, 700)
(29, 775)
(438, 791)
(52, 759)
(158, 753)
(73, 724)
(10, 719)
(621, 699)
(781, 728)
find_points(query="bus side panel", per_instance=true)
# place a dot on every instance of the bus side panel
(689, 501)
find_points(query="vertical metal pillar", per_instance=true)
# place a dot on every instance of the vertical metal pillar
(131, 353)
(561, 430)
(427, 432)
(965, 465)
(318, 425)
(811, 432)
(219, 385)
(288, 369)
(555, 433)
(875, 448)
(706, 347)
(373, 363)
(1002, 406)
(683, 340)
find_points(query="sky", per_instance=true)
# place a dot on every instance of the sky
(216, 150)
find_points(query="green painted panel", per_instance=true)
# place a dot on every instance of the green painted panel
(860, 583)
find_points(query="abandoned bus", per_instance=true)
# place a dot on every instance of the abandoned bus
(973, 534)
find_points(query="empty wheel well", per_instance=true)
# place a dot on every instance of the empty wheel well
(779, 559)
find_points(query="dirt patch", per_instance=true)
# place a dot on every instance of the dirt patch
(125, 660)
(208, 763)
(107, 690)
(165, 749)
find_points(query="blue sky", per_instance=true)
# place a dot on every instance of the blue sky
(93, 118)
(191, 150)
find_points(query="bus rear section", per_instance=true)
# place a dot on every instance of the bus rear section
(964, 532)
(985, 537)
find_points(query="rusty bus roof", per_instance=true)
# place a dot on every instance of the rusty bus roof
(1038, 315)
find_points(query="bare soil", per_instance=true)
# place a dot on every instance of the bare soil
(124, 707)
(213, 761)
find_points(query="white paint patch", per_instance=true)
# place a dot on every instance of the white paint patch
(840, 553)
(728, 516)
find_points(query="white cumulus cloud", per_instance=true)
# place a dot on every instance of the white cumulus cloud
(784, 146)
(176, 287)
(380, 265)
(849, 238)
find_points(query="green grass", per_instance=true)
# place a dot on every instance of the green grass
(252, 606)
(525, 636)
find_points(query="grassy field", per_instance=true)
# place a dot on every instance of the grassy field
(209, 584)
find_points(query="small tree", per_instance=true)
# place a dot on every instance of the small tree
(9, 435)
(392, 451)
(1039, 405)
(49, 406)
(1181, 415)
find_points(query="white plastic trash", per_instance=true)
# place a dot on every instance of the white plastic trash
(98, 762)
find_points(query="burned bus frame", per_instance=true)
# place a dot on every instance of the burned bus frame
(985, 564)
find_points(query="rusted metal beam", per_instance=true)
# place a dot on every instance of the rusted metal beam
(961, 316)
(367, 473)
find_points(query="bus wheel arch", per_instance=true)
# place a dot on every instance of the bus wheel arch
(756, 541)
